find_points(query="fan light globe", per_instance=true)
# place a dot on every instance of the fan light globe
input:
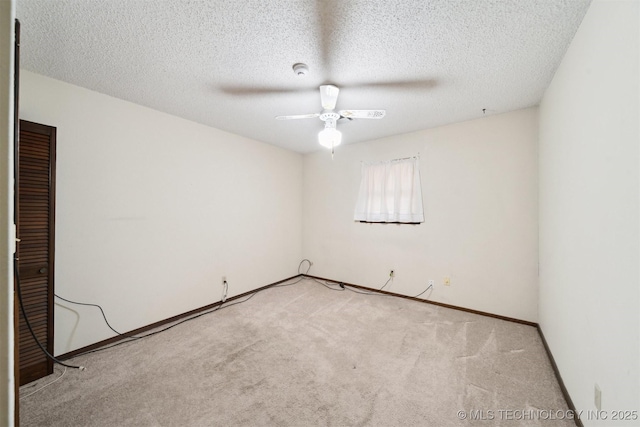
(330, 137)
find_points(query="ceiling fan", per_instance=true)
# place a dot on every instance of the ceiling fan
(331, 137)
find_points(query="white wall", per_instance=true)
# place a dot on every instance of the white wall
(479, 182)
(152, 210)
(7, 16)
(589, 211)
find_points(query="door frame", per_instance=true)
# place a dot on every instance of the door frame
(16, 138)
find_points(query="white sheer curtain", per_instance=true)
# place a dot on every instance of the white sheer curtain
(390, 192)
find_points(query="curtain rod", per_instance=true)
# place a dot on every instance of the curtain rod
(394, 160)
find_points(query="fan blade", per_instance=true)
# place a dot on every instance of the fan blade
(299, 116)
(329, 96)
(416, 84)
(362, 114)
(262, 90)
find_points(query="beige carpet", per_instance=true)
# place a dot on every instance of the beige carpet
(304, 355)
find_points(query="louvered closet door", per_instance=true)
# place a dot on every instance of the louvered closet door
(36, 208)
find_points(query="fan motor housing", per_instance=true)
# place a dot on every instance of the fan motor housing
(329, 115)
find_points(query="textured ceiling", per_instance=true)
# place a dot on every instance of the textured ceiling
(227, 63)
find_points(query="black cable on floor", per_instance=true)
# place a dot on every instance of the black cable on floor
(26, 320)
(375, 291)
(386, 283)
(101, 311)
(342, 288)
(219, 307)
(428, 287)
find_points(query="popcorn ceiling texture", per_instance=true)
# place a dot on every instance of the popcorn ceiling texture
(228, 63)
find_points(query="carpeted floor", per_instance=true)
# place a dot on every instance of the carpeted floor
(304, 355)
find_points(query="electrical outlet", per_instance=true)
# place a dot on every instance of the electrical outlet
(431, 282)
(597, 397)
(447, 281)
(392, 273)
(225, 288)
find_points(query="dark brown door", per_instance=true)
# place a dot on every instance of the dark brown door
(36, 210)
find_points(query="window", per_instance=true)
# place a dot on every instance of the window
(390, 192)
